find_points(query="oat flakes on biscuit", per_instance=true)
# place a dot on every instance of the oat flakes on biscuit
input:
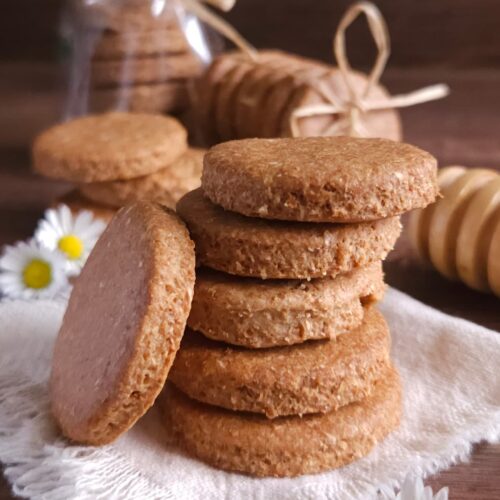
(319, 179)
(109, 146)
(266, 249)
(286, 446)
(312, 377)
(257, 313)
(166, 186)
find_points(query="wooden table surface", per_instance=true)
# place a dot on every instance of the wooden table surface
(462, 129)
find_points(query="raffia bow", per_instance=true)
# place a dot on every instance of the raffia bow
(351, 109)
(198, 8)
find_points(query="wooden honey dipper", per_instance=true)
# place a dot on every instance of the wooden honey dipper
(460, 234)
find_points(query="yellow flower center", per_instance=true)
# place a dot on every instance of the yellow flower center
(72, 246)
(37, 274)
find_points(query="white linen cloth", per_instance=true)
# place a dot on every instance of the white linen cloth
(449, 368)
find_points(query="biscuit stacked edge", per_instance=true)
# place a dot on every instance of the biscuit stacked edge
(119, 158)
(285, 367)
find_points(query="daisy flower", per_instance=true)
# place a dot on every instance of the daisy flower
(28, 271)
(414, 489)
(73, 236)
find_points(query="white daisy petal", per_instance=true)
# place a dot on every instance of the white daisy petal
(45, 279)
(74, 236)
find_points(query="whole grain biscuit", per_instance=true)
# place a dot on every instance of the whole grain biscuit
(319, 179)
(142, 70)
(260, 248)
(109, 146)
(254, 313)
(285, 446)
(312, 377)
(116, 45)
(149, 98)
(166, 186)
(123, 325)
(76, 203)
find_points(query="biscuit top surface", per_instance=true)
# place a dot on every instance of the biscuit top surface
(330, 179)
(123, 324)
(109, 146)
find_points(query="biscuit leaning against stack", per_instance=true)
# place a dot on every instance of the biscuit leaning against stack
(118, 158)
(141, 61)
(284, 345)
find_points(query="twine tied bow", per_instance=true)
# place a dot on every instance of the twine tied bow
(350, 110)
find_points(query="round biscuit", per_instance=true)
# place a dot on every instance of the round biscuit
(254, 313)
(312, 377)
(166, 186)
(265, 249)
(109, 146)
(286, 446)
(123, 324)
(319, 179)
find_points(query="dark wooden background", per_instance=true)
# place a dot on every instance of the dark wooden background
(455, 41)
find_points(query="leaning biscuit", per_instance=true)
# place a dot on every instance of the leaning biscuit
(285, 446)
(319, 179)
(260, 248)
(123, 325)
(165, 186)
(255, 313)
(109, 146)
(312, 377)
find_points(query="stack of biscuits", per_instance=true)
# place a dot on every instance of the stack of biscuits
(118, 158)
(239, 97)
(285, 366)
(140, 60)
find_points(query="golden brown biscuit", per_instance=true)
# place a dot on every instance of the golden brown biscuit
(265, 249)
(319, 179)
(165, 186)
(312, 377)
(142, 70)
(255, 313)
(76, 203)
(149, 98)
(285, 446)
(109, 146)
(123, 325)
